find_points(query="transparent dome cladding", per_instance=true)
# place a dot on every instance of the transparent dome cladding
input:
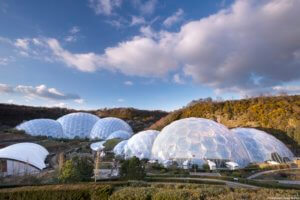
(42, 127)
(77, 124)
(198, 139)
(260, 145)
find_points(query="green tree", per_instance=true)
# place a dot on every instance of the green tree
(133, 169)
(75, 170)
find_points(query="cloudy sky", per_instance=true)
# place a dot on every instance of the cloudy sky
(148, 54)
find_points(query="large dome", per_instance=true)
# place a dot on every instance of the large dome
(140, 144)
(106, 126)
(77, 124)
(42, 127)
(260, 145)
(198, 139)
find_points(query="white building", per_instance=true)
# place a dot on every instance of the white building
(21, 159)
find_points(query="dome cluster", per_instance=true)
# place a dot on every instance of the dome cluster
(198, 140)
(81, 125)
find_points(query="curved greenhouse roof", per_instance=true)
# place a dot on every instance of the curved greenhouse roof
(42, 127)
(119, 148)
(30, 153)
(198, 139)
(77, 124)
(119, 134)
(140, 144)
(260, 145)
(106, 126)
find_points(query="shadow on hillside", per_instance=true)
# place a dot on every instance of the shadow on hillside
(283, 136)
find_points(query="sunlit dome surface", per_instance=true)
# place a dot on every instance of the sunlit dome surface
(119, 134)
(260, 145)
(42, 127)
(97, 146)
(106, 126)
(30, 153)
(77, 124)
(198, 139)
(140, 144)
(119, 148)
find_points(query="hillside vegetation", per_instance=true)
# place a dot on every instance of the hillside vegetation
(12, 115)
(279, 116)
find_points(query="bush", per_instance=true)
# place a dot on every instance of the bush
(110, 144)
(57, 192)
(133, 169)
(77, 169)
(130, 193)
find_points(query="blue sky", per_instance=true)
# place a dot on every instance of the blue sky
(151, 54)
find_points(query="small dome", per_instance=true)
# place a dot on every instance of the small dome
(198, 139)
(42, 127)
(119, 134)
(77, 124)
(106, 126)
(260, 145)
(140, 144)
(119, 148)
(97, 146)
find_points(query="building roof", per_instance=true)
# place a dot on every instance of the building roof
(30, 153)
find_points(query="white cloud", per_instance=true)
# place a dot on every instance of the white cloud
(177, 79)
(10, 101)
(225, 49)
(86, 62)
(79, 101)
(74, 30)
(41, 91)
(148, 7)
(59, 105)
(175, 18)
(129, 83)
(120, 100)
(70, 38)
(22, 43)
(294, 89)
(104, 7)
(4, 61)
(6, 88)
(135, 20)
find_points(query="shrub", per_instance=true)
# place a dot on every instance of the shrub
(110, 144)
(130, 193)
(133, 169)
(77, 169)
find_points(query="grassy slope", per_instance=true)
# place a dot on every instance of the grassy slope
(279, 116)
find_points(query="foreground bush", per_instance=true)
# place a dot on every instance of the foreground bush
(133, 169)
(58, 192)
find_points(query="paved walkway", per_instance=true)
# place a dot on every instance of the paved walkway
(267, 172)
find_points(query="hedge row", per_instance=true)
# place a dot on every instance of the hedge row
(142, 191)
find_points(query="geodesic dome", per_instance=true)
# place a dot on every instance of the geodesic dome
(106, 126)
(140, 144)
(42, 127)
(77, 124)
(198, 139)
(260, 145)
(119, 134)
(119, 148)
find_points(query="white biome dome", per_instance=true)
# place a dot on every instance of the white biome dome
(77, 124)
(124, 135)
(140, 144)
(197, 139)
(106, 126)
(42, 127)
(260, 145)
(119, 148)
